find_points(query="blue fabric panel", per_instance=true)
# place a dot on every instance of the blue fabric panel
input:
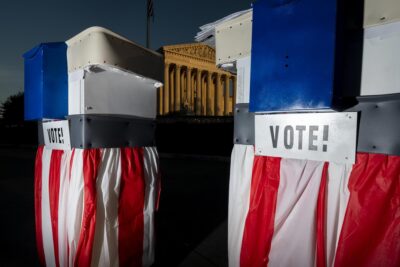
(46, 82)
(293, 55)
(33, 81)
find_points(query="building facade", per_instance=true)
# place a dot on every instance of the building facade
(193, 85)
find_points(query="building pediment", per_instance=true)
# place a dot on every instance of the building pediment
(195, 50)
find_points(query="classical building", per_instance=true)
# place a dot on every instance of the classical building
(193, 85)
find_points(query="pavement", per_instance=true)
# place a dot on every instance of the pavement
(17, 225)
(191, 224)
(212, 252)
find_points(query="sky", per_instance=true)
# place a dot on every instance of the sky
(24, 24)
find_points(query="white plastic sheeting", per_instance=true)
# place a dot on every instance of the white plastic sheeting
(81, 197)
(313, 213)
(239, 199)
(337, 197)
(295, 221)
(295, 213)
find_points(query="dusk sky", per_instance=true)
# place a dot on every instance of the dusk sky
(24, 24)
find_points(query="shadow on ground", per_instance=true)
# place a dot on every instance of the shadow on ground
(17, 225)
(194, 202)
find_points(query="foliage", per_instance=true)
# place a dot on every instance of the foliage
(12, 110)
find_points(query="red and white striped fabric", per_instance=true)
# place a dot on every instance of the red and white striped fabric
(288, 212)
(95, 207)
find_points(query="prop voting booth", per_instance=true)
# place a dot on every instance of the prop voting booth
(97, 179)
(316, 159)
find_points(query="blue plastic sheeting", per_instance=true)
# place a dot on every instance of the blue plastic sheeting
(293, 55)
(46, 82)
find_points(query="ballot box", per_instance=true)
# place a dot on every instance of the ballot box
(97, 178)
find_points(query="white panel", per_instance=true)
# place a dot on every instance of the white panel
(381, 12)
(97, 45)
(207, 33)
(106, 90)
(233, 38)
(75, 87)
(381, 60)
(243, 80)
(313, 136)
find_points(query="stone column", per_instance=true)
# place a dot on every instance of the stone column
(160, 101)
(234, 92)
(171, 87)
(178, 88)
(198, 92)
(218, 97)
(189, 88)
(203, 95)
(227, 96)
(183, 84)
(209, 104)
(193, 88)
(164, 101)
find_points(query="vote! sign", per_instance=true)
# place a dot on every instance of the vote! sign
(56, 135)
(313, 136)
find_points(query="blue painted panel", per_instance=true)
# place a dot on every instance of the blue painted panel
(293, 55)
(46, 82)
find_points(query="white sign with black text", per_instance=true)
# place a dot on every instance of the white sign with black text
(56, 135)
(314, 136)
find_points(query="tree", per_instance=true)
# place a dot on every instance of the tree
(12, 110)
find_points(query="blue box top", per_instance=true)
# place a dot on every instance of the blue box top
(46, 82)
(293, 55)
(43, 46)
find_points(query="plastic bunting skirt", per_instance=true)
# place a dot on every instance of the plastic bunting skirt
(95, 207)
(287, 212)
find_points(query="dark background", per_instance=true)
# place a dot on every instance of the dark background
(194, 152)
(24, 24)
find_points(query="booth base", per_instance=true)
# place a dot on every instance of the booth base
(95, 207)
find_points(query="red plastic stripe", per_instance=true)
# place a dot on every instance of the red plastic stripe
(321, 219)
(38, 204)
(259, 227)
(370, 234)
(91, 160)
(71, 162)
(54, 192)
(131, 205)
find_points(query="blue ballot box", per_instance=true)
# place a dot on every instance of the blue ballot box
(46, 82)
(306, 54)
